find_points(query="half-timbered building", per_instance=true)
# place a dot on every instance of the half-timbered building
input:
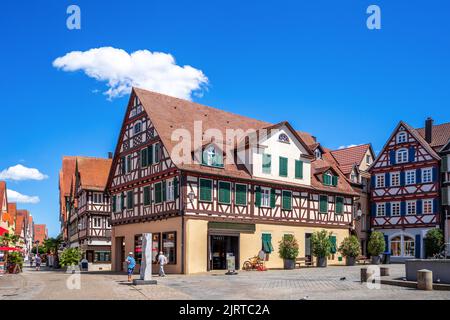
(88, 222)
(177, 175)
(66, 194)
(406, 189)
(354, 163)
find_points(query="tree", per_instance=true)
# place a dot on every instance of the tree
(52, 245)
(434, 242)
(376, 244)
(70, 257)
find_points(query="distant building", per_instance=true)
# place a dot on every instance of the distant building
(40, 233)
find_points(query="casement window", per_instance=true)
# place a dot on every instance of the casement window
(97, 198)
(330, 180)
(96, 222)
(206, 190)
(240, 196)
(410, 176)
(224, 192)
(427, 206)
(401, 137)
(395, 209)
(102, 256)
(212, 157)
(401, 156)
(114, 203)
(427, 175)
(170, 190)
(379, 182)
(368, 159)
(339, 205)
(158, 192)
(318, 154)
(128, 166)
(137, 128)
(266, 163)
(123, 165)
(122, 202)
(130, 200)
(411, 207)
(169, 246)
(395, 179)
(144, 158)
(157, 151)
(286, 200)
(283, 167)
(147, 195)
(265, 197)
(150, 154)
(381, 209)
(298, 169)
(323, 204)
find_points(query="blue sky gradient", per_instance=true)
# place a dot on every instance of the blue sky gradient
(313, 63)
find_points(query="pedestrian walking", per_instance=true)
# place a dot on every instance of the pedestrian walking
(31, 260)
(162, 260)
(38, 262)
(131, 264)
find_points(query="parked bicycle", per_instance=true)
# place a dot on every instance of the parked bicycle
(254, 263)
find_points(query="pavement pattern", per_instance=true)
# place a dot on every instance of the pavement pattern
(333, 282)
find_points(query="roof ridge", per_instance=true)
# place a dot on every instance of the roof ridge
(357, 146)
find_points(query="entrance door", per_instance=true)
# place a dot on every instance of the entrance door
(308, 247)
(90, 256)
(220, 246)
(120, 253)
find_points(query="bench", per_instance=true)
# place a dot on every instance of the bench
(362, 260)
(306, 261)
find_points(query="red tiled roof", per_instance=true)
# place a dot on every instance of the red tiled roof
(21, 217)
(348, 157)
(440, 134)
(93, 172)
(12, 210)
(66, 181)
(2, 192)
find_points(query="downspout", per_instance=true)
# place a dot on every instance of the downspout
(181, 199)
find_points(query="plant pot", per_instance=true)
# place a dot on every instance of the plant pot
(376, 259)
(289, 264)
(350, 261)
(321, 262)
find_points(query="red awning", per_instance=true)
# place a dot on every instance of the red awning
(10, 249)
(3, 231)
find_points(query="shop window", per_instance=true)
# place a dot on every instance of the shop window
(102, 256)
(169, 246)
(408, 245)
(396, 249)
(138, 248)
(155, 246)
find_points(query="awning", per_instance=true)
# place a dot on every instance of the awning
(10, 249)
(3, 231)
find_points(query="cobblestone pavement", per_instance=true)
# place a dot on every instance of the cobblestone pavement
(308, 283)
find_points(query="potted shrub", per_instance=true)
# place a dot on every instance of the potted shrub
(70, 257)
(321, 247)
(350, 249)
(288, 251)
(376, 246)
(434, 242)
(15, 262)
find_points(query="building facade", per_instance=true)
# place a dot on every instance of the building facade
(66, 195)
(445, 193)
(40, 233)
(215, 197)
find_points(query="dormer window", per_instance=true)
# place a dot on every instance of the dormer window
(355, 177)
(318, 154)
(283, 138)
(212, 157)
(329, 179)
(368, 159)
(401, 137)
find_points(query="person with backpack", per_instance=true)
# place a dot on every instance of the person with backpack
(162, 260)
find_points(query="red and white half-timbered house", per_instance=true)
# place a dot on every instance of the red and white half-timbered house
(178, 175)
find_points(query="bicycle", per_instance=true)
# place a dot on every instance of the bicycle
(253, 263)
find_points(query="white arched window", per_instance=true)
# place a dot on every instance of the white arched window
(401, 156)
(212, 156)
(396, 246)
(401, 137)
(318, 154)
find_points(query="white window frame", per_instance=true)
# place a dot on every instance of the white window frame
(401, 155)
(96, 222)
(170, 190)
(136, 125)
(97, 198)
(265, 197)
(396, 174)
(381, 209)
(380, 180)
(431, 202)
(411, 208)
(402, 137)
(410, 177)
(368, 159)
(397, 206)
(429, 175)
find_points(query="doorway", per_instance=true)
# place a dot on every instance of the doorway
(120, 253)
(308, 247)
(90, 256)
(220, 246)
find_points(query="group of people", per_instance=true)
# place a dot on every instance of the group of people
(131, 264)
(37, 260)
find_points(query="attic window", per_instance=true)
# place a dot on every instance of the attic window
(329, 179)
(401, 137)
(212, 157)
(318, 154)
(283, 138)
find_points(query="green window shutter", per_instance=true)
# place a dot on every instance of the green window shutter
(150, 154)
(123, 165)
(146, 196)
(258, 196)
(144, 155)
(272, 198)
(298, 169)
(158, 193)
(267, 242)
(333, 244)
(164, 190)
(323, 205)
(224, 192)
(122, 201)
(241, 194)
(283, 170)
(267, 163)
(287, 200)
(445, 196)
(339, 205)
(176, 188)
(130, 200)
(326, 179)
(334, 181)
(158, 154)
(114, 204)
(205, 190)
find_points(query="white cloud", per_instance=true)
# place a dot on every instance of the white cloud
(156, 71)
(349, 146)
(20, 172)
(14, 196)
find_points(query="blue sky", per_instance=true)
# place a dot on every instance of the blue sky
(313, 63)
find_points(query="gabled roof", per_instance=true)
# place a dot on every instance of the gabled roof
(440, 135)
(2, 193)
(347, 158)
(93, 172)
(12, 211)
(21, 221)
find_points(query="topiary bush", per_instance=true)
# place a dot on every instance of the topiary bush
(350, 247)
(376, 245)
(434, 242)
(288, 247)
(321, 244)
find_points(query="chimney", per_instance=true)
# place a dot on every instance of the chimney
(314, 138)
(428, 129)
(110, 155)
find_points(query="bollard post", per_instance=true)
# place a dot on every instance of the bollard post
(384, 271)
(424, 279)
(365, 274)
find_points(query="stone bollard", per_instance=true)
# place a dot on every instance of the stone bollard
(424, 279)
(384, 271)
(365, 274)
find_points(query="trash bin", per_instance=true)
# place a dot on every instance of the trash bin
(84, 266)
(387, 258)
